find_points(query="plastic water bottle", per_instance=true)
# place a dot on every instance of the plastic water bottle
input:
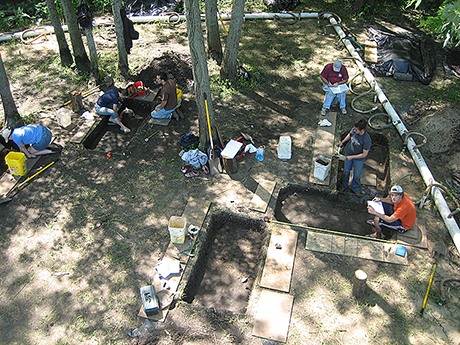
(260, 153)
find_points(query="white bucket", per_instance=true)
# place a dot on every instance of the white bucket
(322, 167)
(63, 117)
(284, 147)
(176, 228)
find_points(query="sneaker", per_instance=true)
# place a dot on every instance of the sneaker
(344, 111)
(323, 111)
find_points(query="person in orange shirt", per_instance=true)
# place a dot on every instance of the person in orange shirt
(399, 213)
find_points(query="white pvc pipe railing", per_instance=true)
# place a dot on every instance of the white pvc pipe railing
(168, 17)
(427, 176)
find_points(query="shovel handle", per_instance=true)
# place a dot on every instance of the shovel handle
(209, 121)
(428, 290)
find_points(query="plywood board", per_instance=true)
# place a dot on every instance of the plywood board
(272, 315)
(150, 96)
(323, 145)
(319, 242)
(160, 122)
(83, 130)
(262, 196)
(278, 265)
(407, 238)
(370, 250)
(172, 281)
(353, 246)
(195, 211)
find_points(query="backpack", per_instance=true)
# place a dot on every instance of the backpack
(84, 16)
(189, 141)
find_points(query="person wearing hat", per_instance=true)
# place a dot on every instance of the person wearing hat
(399, 213)
(108, 104)
(37, 139)
(334, 74)
(356, 151)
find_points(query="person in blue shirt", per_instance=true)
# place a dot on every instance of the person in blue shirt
(356, 151)
(109, 104)
(32, 140)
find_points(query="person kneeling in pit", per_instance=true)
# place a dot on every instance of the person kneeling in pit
(108, 104)
(399, 213)
(37, 137)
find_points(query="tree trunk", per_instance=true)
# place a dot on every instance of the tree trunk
(64, 51)
(212, 31)
(12, 117)
(229, 64)
(199, 67)
(122, 54)
(93, 54)
(79, 52)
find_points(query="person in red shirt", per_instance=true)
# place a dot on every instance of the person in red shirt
(399, 213)
(334, 74)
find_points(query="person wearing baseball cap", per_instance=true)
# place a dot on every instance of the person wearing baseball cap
(399, 213)
(333, 75)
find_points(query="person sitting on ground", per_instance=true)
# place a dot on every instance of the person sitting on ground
(168, 104)
(333, 75)
(37, 138)
(399, 213)
(356, 151)
(109, 104)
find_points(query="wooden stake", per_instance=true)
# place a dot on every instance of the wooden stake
(359, 283)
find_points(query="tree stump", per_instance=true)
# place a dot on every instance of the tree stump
(359, 284)
(77, 101)
(230, 166)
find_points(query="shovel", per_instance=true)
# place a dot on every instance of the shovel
(439, 249)
(214, 162)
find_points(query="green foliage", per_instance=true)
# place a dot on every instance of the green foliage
(446, 22)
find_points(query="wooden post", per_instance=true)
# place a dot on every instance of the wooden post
(359, 283)
(230, 166)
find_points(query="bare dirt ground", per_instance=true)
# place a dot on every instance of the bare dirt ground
(81, 239)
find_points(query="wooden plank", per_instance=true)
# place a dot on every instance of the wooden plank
(272, 316)
(83, 130)
(278, 265)
(356, 247)
(319, 242)
(195, 211)
(420, 242)
(173, 280)
(159, 122)
(323, 145)
(262, 196)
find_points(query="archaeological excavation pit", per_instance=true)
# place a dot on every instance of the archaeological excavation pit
(230, 257)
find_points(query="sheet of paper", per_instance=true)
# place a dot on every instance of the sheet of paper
(339, 89)
(231, 149)
(377, 206)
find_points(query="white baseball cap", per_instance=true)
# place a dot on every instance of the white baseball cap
(337, 66)
(397, 189)
(6, 134)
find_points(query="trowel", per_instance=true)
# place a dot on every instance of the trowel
(248, 137)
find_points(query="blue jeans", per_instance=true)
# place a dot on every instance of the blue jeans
(330, 97)
(162, 113)
(357, 165)
(107, 111)
(44, 141)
